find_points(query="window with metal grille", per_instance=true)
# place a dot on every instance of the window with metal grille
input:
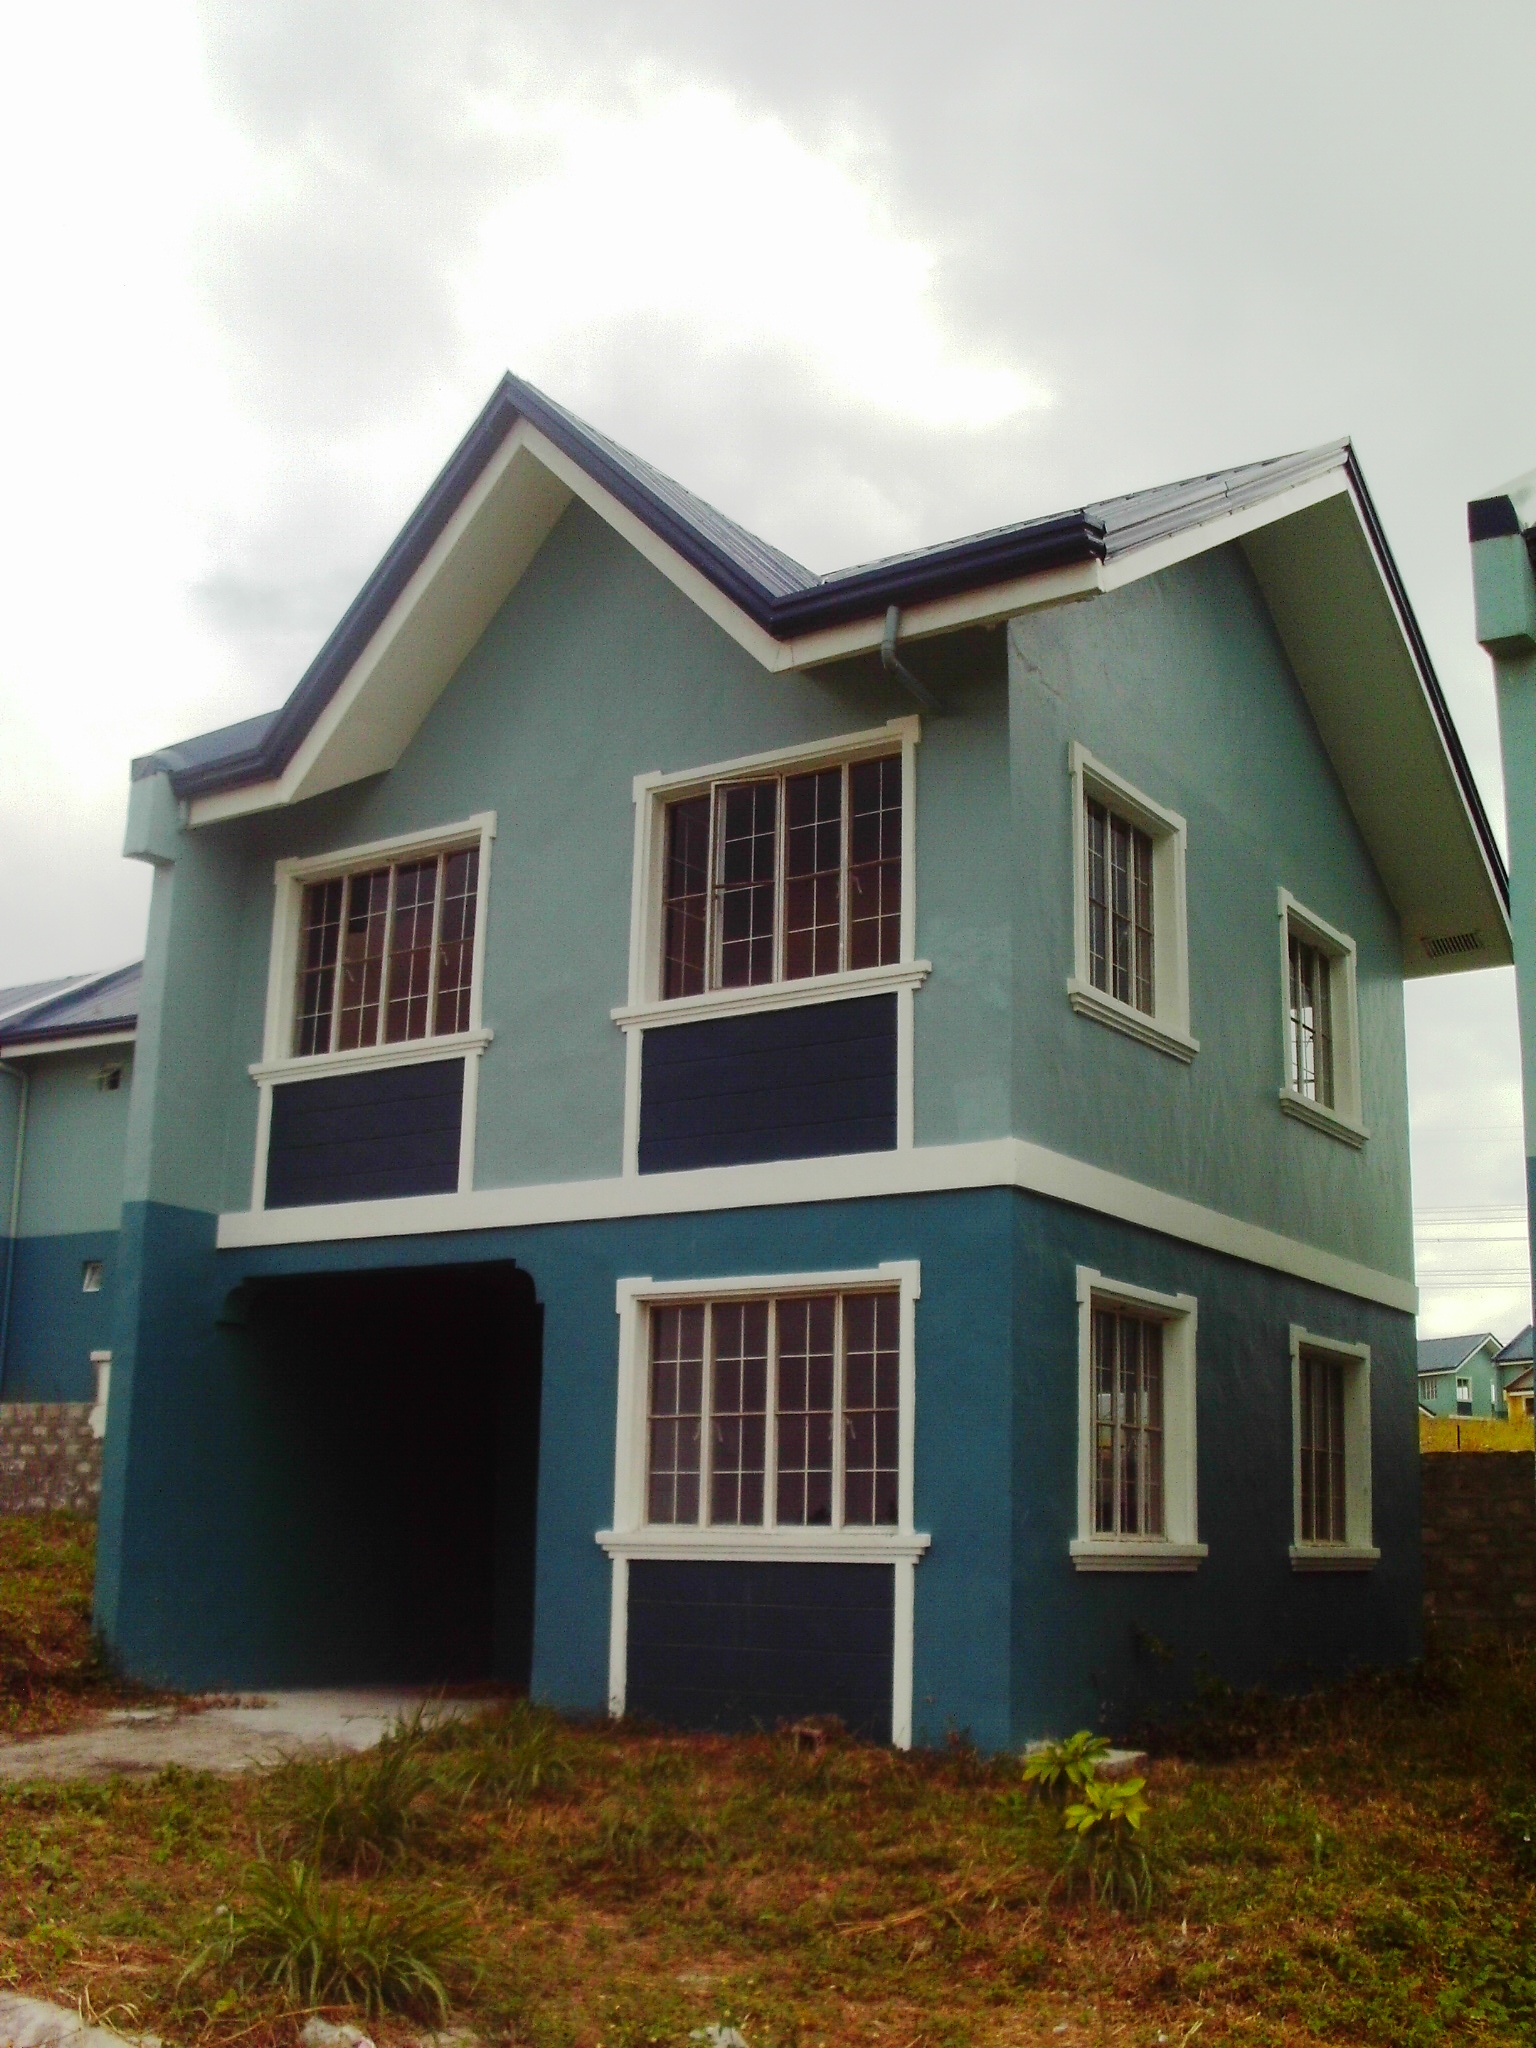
(386, 954)
(1311, 1021)
(781, 877)
(1119, 907)
(1128, 1424)
(1321, 1430)
(775, 1413)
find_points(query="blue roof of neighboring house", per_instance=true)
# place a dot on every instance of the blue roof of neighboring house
(1518, 1350)
(772, 589)
(77, 1006)
(1444, 1354)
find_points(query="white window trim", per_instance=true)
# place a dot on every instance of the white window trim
(647, 1009)
(1180, 1550)
(101, 1366)
(1167, 1029)
(1344, 1119)
(900, 1546)
(1357, 1553)
(278, 1064)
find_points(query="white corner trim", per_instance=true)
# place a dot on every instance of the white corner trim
(1090, 1554)
(1321, 1118)
(771, 995)
(858, 1176)
(1334, 1557)
(363, 1059)
(1088, 1001)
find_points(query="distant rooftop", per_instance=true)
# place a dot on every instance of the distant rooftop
(1444, 1354)
(74, 1006)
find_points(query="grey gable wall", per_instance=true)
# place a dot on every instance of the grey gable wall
(1181, 685)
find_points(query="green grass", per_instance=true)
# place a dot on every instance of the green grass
(1354, 1867)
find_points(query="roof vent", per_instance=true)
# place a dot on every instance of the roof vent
(1458, 942)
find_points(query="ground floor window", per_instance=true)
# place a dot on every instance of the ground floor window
(1136, 1428)
(1331, 1429)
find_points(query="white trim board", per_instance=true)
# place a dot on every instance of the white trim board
(926, 1169)
(87, 1039)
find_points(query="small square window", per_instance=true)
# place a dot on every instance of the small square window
(90, 1276)
(1321, 1084)
(109, 1079)
(1331, 1431)
(1131, 953)
(1136, 1420)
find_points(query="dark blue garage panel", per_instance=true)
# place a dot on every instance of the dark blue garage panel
(737, 1645)
(360, 1137)
(782, 1084)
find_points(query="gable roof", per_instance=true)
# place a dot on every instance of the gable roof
(1518, 1351)
(1520, 1384)
(81, 1006)
(1445, 1354)
(1305, 520)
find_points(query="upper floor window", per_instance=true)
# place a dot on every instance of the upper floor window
(1322, 1040)
(386, 953)
(781, 877)
(1131, 953)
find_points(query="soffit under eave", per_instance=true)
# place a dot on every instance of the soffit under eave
(1335, 614)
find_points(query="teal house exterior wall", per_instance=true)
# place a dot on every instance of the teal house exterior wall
(1485, 1386)
(275, 1454)
(68, 1214)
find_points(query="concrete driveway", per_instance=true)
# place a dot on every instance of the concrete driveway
(247, 1735)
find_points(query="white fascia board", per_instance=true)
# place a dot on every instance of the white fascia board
(863, 1176)
(83, 1043)
(1221, 528)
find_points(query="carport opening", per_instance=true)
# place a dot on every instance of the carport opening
(399, 1413)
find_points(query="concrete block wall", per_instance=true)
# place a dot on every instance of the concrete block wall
(1479, 1510)
(50, 1458)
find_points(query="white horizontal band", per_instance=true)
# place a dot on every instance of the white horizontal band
(858, 1176)
(786, 1546)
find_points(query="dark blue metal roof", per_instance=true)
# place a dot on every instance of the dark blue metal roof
(777, 592)
(79, 1006)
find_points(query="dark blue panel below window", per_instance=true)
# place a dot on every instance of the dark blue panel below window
(362, 1137)
(779, 1084)
(743, 1645)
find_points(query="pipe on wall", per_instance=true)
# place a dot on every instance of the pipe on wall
(24, 1081)
(896, 668)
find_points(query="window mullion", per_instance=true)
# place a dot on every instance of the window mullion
(712, 894)
(389, 947)
(839, 1449)
(771, 1424)
(706, 1416)
(434, 936)
(333, 1033)
(780, 872)
(845, 868)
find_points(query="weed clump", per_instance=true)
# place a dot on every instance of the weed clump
(318, 1947)
(356, 1813)
(500, 1758)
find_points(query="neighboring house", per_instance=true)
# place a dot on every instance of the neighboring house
(66, 1067)
(725, 1142)
(1513, 1366)
(1459, 1376)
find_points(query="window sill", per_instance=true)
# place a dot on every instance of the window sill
(1332, 1122)
(1089, 1001)
(406, 1052)
(1092, 1554)
(772, 995)
(845, 1546)
(1333, 1557)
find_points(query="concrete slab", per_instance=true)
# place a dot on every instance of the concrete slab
(229, 1737)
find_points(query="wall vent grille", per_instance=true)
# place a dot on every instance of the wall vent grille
(1458, 942)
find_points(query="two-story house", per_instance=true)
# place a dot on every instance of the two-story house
(66, 1069)
(728, 1142)
(1460, 1376)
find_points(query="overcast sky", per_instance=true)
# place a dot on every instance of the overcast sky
(864, 275)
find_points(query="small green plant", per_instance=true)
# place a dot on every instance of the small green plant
(1055, 1767)
(318, 1948)
(356, 1813)
(1517, 1824)
(1104, 1847)
(502, 1757)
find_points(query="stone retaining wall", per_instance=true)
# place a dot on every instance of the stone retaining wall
(49, 1458)
(1479, 1543)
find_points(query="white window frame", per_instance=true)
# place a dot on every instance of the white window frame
(1343, 1119)
(277, 1063)
(1180, 1549)
(1358, 1552)
(900, 1545)
(1166, 1029)
(646, 1008)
